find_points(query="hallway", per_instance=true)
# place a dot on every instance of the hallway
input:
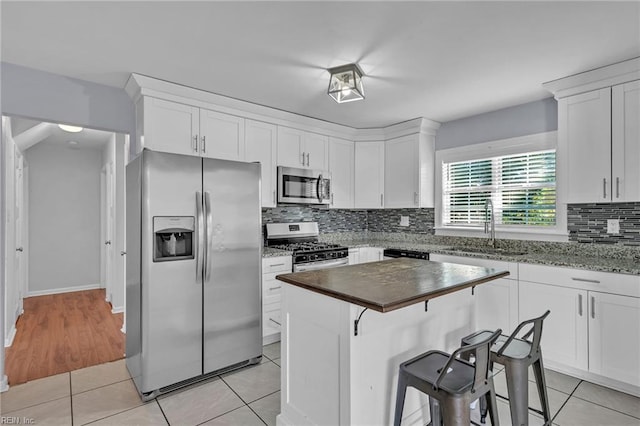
(64, 332)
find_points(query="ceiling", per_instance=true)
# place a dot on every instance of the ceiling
(439, 60)
(28, 133)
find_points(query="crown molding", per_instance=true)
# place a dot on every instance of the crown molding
(139, 85)
(618, 73)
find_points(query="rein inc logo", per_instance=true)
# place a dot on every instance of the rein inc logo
(15, 420)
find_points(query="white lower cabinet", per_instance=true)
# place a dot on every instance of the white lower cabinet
(370, 254)
(614, 336)
(271, 296)
(354, 256)
(594, 325)
(495, 302)
(564, 333)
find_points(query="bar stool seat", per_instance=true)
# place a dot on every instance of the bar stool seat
(516, 355)
(451, 383)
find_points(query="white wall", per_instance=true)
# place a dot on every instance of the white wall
(64, 218)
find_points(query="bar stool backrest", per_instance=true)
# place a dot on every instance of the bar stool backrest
(535, 331)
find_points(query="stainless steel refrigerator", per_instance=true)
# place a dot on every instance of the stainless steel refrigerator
(193, 292)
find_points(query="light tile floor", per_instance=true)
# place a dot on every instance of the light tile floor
(105, 395)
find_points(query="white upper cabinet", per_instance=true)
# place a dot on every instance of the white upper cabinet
(584, 135)
(625, 142)
(369, 175)
(297, 148)
(599, 134)
(222, 136)
(341, 165)
(170, 127)
(183, 129)
(261, 147)
(409, 171)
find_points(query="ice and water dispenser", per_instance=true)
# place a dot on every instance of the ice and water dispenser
(173, 238)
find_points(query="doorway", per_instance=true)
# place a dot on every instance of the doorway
(64, 196)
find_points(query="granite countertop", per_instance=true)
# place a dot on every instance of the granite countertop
(570, 255)
(394, 284)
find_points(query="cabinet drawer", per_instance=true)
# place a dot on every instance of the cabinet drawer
(271, 289)
(271, 319)
(276, 264)
(606, 282)
(476, 261)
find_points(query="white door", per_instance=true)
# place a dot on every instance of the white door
(341, 156)
(108, 226)
(369, 175)
(401, 172)
(625, 140)
(564, 334)
(222, 136)
(171, 127)
(261, 141)
(20, 222)
(614, 336)
(290, 151)
(584, 133)
(316, 148)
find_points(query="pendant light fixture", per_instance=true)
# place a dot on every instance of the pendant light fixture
(345, 84)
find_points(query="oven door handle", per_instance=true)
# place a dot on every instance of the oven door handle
(318, 183)
(320, 265)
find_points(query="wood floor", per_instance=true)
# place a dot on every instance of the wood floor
(64, 332)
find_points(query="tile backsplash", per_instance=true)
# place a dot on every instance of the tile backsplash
(587, 223)
(421, 221)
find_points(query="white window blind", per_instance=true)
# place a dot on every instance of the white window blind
(522, 188)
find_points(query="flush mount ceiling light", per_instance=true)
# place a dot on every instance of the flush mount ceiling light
(345, 84)
(72, 129)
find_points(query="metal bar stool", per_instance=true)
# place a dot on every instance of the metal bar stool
(451, 383)
(517, 354)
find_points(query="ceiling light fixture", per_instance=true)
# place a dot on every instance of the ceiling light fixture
(345, 84)
(71, 129)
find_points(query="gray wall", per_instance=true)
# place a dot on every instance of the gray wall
(520, 120)
(31, 93)
(64, 217)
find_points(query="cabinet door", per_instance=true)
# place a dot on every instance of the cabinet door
(369, 175)
(354, 256)
(260, 141)
(290, 147)
(614, 336)
(584, 132)
(625, 140)
(222, 136)
(170, 127)
(341, 155)
(316, 149)
(564, 334)
(401, 172)
(496, 305)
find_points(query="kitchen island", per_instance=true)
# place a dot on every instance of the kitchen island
(346, 330)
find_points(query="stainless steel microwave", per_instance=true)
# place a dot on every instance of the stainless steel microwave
(303, 186)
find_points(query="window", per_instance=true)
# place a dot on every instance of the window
(522, 188)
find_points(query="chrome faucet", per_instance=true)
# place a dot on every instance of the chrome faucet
(492, 231)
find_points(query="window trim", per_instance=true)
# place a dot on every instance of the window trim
(511, 146)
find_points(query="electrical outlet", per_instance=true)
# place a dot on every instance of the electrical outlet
(404, 220)
(613, 226)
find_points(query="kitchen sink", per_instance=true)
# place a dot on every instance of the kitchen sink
(488, 250)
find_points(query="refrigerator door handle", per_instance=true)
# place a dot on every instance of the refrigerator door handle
(200, 241)
(209, 239)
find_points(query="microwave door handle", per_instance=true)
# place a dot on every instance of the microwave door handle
(200, 236)
(318, 187)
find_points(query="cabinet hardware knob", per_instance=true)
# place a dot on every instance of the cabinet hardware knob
(275, 288)
(580, 304)
(381, 200)
(415, 198)
(307, 159)
(195, 143)
(593, 307)
(303, 158)
(332, 198)
(604, 188)
(20, 249)
(204, 144)
(586, 280)
(108, 242)
(618, 187)
(122, 253)
(271, 319)
(274, 197)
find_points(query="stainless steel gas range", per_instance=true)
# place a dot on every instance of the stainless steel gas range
(301, 238)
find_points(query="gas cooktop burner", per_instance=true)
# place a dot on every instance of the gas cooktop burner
(307, 247)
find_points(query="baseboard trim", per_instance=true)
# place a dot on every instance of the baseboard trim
(9, 339)
(64, 290)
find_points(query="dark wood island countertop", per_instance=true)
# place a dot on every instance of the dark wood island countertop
(392, 284)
